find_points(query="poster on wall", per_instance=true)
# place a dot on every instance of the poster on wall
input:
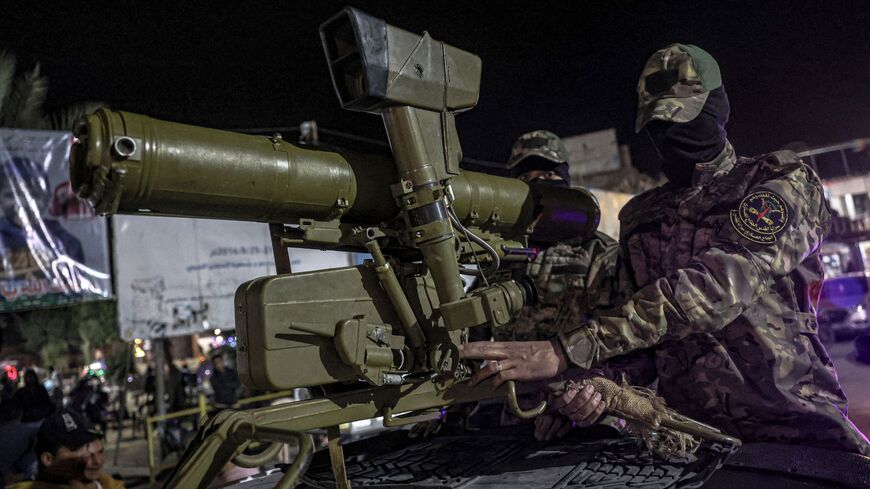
(177, 276)
(53, 249)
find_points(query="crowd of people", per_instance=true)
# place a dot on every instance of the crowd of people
(51, 435)
(47, 440)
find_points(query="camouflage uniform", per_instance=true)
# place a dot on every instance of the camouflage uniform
(572, 278)
(572, 281)
(717, 280)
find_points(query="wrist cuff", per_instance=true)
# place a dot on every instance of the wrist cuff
(580, 346)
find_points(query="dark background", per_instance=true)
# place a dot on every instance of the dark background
(794, 71)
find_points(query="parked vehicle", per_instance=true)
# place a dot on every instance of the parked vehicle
(843, 306)
(862, 348)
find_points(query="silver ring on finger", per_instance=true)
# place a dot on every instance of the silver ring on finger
(498, 366)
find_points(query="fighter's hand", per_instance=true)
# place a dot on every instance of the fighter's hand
(515, 360)
(583, 406)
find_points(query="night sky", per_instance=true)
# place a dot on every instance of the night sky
(794, 71)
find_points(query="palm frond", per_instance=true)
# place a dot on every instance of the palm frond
(23, 108)
(63, 119)
(7, 72)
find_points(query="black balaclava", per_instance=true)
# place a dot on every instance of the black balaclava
(684, 145)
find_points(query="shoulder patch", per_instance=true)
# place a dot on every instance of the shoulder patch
(760, 216)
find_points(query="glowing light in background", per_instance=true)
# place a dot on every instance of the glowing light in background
(95, 369)
(11, 372)
(138, 351)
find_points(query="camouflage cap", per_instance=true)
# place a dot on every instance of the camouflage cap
(540, 143)
(675, 83)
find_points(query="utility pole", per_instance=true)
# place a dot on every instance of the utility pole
(160, 389)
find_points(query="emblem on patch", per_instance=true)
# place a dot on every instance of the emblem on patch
(760, 216)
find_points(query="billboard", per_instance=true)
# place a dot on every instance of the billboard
(178, 276)
(53, 249)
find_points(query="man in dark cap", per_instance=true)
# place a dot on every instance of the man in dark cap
(70, 455)
(717, 268)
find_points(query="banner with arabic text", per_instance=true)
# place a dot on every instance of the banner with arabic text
(53, 249)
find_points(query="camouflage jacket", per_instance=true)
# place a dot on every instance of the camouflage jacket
(573, 280)
(717, 280)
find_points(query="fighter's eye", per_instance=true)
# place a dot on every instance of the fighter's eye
(661, 81)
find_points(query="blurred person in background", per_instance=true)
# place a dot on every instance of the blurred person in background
(54, 385)
(70, 455)
(175, 389)
(17, 444)
(34, 399)
(224, 382)
(91, 400)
